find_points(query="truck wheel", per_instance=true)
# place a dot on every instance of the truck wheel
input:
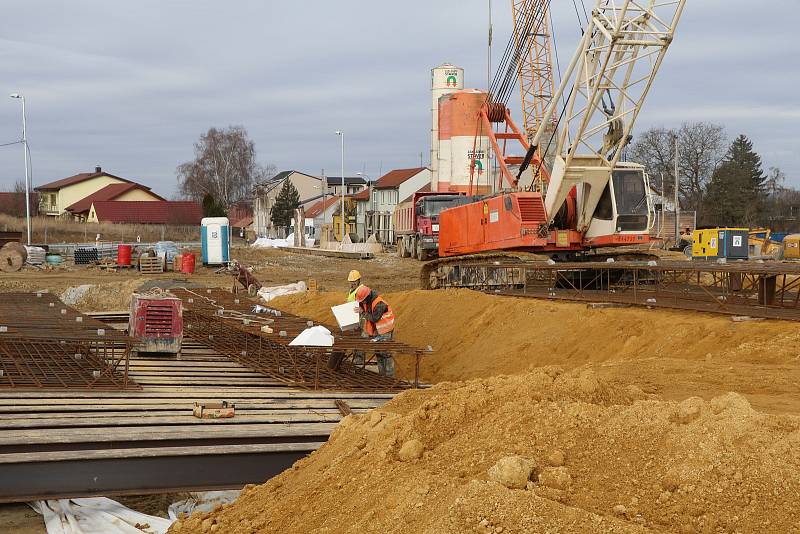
(421, 254)
(401, 248)
(412, 248)
(406, 247)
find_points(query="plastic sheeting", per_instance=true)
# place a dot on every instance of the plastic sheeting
(96, 515)
(99, 515)
(202, 502)
(316, 336)
(266, 242)
(269, 293)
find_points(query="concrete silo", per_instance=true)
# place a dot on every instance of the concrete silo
(459, 122)
(445, 79)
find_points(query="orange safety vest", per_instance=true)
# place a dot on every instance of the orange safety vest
(385, 324)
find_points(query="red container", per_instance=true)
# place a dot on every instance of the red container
(156, 321)
(187, 263)
(124, 255)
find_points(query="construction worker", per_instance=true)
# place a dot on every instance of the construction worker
(377, 321)
(355, 282)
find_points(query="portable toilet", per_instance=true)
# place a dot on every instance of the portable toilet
(214, 238)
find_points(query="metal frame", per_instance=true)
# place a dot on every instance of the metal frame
(535, 69)
(221, 321)
(45, 344)
(741, 288)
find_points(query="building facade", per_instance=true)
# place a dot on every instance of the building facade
(374, 216)
(310, 188)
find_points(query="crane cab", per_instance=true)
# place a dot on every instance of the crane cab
(624, 212)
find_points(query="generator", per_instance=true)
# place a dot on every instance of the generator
(156, 322)
(715, 243)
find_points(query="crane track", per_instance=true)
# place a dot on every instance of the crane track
(494, 271)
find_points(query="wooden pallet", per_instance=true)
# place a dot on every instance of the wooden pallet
(151, 265)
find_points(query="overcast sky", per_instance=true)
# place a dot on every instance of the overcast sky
(131, 85)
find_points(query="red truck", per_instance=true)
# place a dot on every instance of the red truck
(416, 223)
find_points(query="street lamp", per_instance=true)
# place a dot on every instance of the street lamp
(340, 133)
(25, 155)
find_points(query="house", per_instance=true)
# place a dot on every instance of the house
(390, 189)
(169, 212)
(56, 196)
(310, 189)
(352, 184)
(13, 203)
(126, 191)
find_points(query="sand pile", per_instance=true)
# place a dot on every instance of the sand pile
(543, 451)
(479, 335)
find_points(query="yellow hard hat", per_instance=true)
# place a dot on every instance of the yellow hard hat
(353, 276)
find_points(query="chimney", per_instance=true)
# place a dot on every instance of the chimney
(98, 169)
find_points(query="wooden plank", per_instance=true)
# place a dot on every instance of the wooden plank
(136, 409)
(8, 397)
(187, 420)
(173, 412)
(162, 433)
(151, 452)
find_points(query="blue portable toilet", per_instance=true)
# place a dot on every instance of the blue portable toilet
(215, 240)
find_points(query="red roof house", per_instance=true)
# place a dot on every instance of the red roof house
(146, 212)
(124, 191)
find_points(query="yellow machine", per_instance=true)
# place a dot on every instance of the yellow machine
(791, 247)
(714, 243)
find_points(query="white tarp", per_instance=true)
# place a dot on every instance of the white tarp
(96, 515)
(99, 515)
(266, 242)
(316, 336)
(269, 293)
(202, 502)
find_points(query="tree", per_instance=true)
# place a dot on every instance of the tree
(286, 202)
(737, 192)
(224, 166)
(212, 208)
(701, 148)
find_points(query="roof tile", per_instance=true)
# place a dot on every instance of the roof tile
(146, 212)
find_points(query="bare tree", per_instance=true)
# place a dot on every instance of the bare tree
(224, 167)
(655, 150)
(701, 148)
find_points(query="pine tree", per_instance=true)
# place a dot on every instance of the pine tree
(212, 208)
(737, 191)
(286, 202)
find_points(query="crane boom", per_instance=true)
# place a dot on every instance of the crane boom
(535, 68)
(605, 85)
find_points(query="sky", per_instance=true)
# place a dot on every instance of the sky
(131, 86)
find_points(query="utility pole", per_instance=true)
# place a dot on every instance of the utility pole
(340, 133)
(677, 185)
(25, 156)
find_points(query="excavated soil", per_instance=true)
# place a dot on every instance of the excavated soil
(601, 458)
(675, 354)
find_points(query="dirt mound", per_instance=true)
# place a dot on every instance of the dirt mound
(597, 458)
(479, 335)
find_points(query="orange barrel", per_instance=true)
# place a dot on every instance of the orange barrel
(187, 263)
(124, 255)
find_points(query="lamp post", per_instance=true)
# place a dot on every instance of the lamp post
(340, 133)
(25, 156)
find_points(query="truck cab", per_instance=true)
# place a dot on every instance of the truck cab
(416, 223)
